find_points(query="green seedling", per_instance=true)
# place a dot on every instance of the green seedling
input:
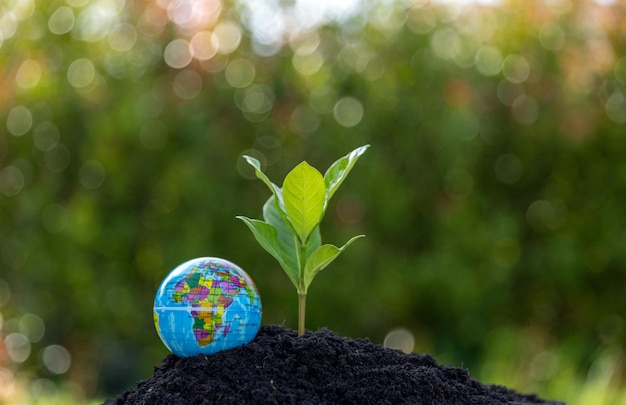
(290, 230)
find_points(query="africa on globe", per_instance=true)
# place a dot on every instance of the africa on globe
(206, 305)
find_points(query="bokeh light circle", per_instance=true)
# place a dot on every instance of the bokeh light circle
(488, 60)
(17, 346)
(19, 120)
(29, 74)
(348, 112)
(177, 54)
(56, 359)
(400, 338)
(240, 72)
(62, 20)
(11, 181)
(91, 174)
(81, 73)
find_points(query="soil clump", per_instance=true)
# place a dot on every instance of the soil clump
(278, 367)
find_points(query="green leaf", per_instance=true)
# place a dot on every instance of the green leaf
(287, 240)
(337, 172)
(322, 257)
(271, 214)
(267, 237)
(304, 194)
(315, 240)
(263, 177)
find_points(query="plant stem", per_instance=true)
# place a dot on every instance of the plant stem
(301, 312)
(302, 289)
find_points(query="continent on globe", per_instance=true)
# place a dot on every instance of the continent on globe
(206, 305)
(211, 297)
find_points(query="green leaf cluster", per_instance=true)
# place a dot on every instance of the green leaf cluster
(290, 229)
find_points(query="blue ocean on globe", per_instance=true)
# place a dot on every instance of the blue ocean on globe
(206, 305)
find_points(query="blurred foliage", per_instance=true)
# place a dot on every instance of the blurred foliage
(492, 196)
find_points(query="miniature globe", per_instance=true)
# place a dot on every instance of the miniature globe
(206, 305)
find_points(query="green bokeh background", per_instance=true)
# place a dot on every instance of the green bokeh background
(492, 196)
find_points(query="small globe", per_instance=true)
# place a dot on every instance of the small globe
(206, 305)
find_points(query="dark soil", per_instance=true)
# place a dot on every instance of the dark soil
(321, 367)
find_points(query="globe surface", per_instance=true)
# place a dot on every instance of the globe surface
(206, 305)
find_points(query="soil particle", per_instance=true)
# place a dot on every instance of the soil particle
(321, 367)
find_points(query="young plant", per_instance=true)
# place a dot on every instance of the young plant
(290, 231)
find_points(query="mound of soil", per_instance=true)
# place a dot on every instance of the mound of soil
(321, 367)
